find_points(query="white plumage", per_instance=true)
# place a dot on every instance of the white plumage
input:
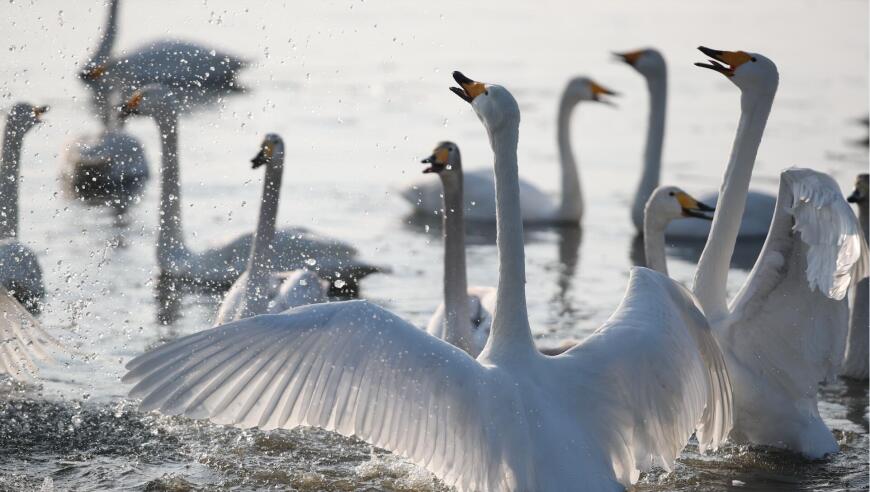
(23, 341)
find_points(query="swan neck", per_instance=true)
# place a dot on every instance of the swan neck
(654, 244)
(571, 206)
(863, 218)
(712, 274)
(170, 242)
(13, 138)
(510, 334)
(652, 154)
(457, 317)
(107, 40)
(256, 297)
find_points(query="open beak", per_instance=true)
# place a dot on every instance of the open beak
(630, 57)
(437, 163)
(38, 111)
(724, 62)
(598, 91)
(468, 89)
(694, 208)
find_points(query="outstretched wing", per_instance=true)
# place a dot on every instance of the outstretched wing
(652, 375)
(350, 367)
(790, 317)
(22, 339)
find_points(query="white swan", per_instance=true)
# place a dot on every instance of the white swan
(464, 318)
(262, 290)
(759, 206)
(537, 207)
(19, 266)
(23, 341)
(293, 248)
(625, 399)
(856, 361)
(666, 204)
(784, 331)
(111, 162)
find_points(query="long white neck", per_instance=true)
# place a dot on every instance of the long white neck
(170, 239)
(711, 276)
(107, 40)
(13, 138)
(510, 335)
(102, 90)
(571, 206)
(256, 297)
(652, 155)
(654, 243)
(457, 317)
(863, 218)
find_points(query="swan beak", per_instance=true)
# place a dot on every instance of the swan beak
(132, 105)
(855, 197)
(731, 59)
(262, 156)
(437, 161)
(468, 89)
(630, 57)
(93, 73)
(599, 90)
(693, 208)
(38, 111)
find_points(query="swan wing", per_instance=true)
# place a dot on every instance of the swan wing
(351, 367)
(789, 321)
(233, 301)
(23, 341)
(297, 288)
(650, 376)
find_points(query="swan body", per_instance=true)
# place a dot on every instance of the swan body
(538, 208)
(855, 365)
(23, 341)
(19, 266)
(292, 248)
(785, 330)
(106, 164)
(260, 289)
(759, 206)
(464, 318)
(625, 399)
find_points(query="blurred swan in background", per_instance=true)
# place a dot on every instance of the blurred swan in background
(261, 289)
(785, 330)
(111, 162)
(856, 361)
(23, 341)
(19, 267)
(511, 420)
(666, 204)
(537, 206)
(464, 318)
(759, 206)
(293, 248)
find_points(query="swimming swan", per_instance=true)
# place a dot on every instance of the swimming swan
(625, 399)
(538, 208)
(464, 318)
(19, 266)
(261, 289)
(785, 330)
(293, 248)
(759, 206)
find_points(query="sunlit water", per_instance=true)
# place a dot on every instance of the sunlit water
(359, 92)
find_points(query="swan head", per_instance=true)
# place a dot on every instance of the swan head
(93, 73)
(648, 61)
(444, 159)
(271, 151)
(24, 116)
(494, 105)
(585, 89)
(152, 100)
(862, 190)
(748, 71)
(669, 203)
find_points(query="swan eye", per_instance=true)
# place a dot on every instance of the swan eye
(671, 193)
(754, 59)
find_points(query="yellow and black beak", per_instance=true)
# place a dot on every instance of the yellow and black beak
(630, 57)
(731, 60)
(468, 89)
(93, 73)
(263, 156)
(38, 111)
(599, 90)
(132, 105)
(437, 161)
(693, 208)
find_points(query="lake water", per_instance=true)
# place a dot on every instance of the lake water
(359, 92)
